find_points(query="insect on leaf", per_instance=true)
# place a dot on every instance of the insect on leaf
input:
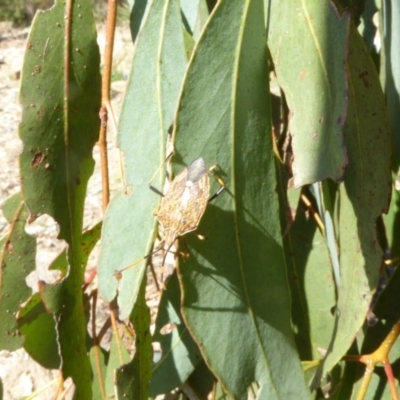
(185, 202)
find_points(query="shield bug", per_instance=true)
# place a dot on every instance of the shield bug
(183, 205)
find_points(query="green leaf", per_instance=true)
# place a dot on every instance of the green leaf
(35, 320)
(60, 121)
(36, 323)
(314, 85)
(220, 393)
(190, 9)
(390, 71)
(133, 378)
(180, 354)
(390, 78)
(236, 301)
(139, 10)
(310, 280)
(150, 100)
(195, 16)
(118, 355)
(392, 223)
(17, 260)
(60, 96)
(98, 359)
(364, 196)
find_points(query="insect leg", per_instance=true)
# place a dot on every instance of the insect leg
(118, 273)
(155, 190)
(162, 268)
(219, 180)
(153, 272)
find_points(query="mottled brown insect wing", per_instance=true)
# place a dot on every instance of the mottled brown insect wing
(185, 202)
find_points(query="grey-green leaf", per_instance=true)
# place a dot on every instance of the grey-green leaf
(310, 68)
(60, 96)
(132, 379)
(236, 301)
(390, 71)
(364, 196)
(180, 354)
(17, 260)
(129, 227)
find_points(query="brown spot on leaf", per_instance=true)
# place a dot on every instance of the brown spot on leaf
(40, 113)
(118, 275)
(37, 159)
(9, 247)
(340, 120)
(364, 77)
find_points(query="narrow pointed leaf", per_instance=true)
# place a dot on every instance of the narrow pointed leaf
(180, 354)
(60, 96)
(364, 196)
(98, 359)
(392, 222)
(314, 85)
(310, 278)
(236, 301)
(129, 226)
(390, 78)
(390, 33)
(118, 355)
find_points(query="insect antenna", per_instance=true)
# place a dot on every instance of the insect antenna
(219, 180)
(118, 274)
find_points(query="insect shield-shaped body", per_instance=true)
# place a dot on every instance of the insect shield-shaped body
(181, 208)
(185, 202)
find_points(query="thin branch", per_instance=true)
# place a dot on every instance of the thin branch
(105, 99)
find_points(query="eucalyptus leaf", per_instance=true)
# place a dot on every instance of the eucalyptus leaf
(17, 260)
(60, 97)
(236, 301)
(130, 226)
(314, 85)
